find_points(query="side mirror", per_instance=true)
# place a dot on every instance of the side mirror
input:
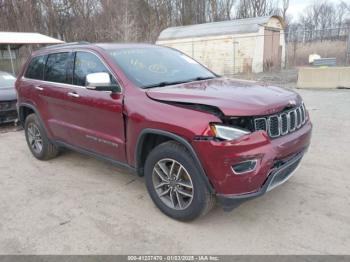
(98, 81)
(101, 82)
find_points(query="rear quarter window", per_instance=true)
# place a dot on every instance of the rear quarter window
(35, 69)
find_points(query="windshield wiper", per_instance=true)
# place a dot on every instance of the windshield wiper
(168, 83)
(202, 78)
(165, 83)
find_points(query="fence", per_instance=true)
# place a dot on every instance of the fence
(330, 43)
(297, 35)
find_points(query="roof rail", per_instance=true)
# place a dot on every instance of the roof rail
(67, 44)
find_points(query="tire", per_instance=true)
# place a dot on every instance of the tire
(33, 128)
(173, 156)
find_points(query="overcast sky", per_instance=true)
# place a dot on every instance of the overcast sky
(297, 6)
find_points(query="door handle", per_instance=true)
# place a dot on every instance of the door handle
(39, 88)
(71, 94)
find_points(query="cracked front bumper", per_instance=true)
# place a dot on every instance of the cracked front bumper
(276, 177)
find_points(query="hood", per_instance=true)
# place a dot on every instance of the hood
(7, 94)
(232, 97)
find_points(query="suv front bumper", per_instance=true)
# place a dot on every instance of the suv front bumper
(275, 178)
(270, 155)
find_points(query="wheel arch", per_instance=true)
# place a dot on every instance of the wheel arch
(143, 148)
(24, 110)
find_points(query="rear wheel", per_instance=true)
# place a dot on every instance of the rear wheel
(175, 184)
(37, 140)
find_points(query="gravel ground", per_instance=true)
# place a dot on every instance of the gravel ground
(78, 205)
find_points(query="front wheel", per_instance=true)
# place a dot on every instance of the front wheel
(175, 184)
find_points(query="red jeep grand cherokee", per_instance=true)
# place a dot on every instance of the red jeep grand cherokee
(195, 136)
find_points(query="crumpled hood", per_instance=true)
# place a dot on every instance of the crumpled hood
(233, 97)
(7, 94)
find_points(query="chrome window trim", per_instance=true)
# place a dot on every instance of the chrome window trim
(55, 83)
(72, 85)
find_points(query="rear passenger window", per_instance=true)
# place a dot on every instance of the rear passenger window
(35, 69)
(87, 63)
(56, 68)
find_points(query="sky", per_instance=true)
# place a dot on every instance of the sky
(296, 7)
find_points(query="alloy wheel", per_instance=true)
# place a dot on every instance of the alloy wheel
(34, 138)
(173, 184)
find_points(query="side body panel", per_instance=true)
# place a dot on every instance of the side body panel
(95, 120)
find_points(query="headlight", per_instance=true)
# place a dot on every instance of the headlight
(227, 132)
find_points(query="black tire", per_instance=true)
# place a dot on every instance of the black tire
(48, 149)
(202, 200)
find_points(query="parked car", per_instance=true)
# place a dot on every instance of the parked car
(8, 98)
(195, 136)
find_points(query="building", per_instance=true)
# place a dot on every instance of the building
(11, 42)
(230, 47)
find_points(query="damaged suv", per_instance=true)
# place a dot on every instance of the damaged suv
(196, 137)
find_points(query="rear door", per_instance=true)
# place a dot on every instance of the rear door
(95, 117)
(45, 85)
(54, 90)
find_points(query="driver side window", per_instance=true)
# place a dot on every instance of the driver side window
(88, 63)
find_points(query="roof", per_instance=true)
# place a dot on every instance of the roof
(238, 26)
(111, 46)
(92, 46)
(26, 38)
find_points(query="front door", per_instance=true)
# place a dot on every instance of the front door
(97, 122)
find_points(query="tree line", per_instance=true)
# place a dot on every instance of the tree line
(143, 20)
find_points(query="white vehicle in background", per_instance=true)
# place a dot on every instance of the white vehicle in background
(8, 98)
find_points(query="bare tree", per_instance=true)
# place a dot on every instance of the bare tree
(285, 6)
(254, 8)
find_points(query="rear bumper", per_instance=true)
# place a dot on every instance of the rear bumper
(276, 177)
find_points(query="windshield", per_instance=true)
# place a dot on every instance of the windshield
(6, 80)
(158, 66)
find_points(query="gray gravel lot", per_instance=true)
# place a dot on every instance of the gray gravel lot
(78, 205)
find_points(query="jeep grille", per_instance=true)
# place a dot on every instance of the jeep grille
(283, 123)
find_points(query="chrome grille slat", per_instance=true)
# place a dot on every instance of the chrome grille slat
(298, 117)
(283, 123)
(303, 116)
(260, 124)
(274, 126)
(292, 124)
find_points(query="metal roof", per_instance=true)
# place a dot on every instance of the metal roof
(238, 26)
(26, 38)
